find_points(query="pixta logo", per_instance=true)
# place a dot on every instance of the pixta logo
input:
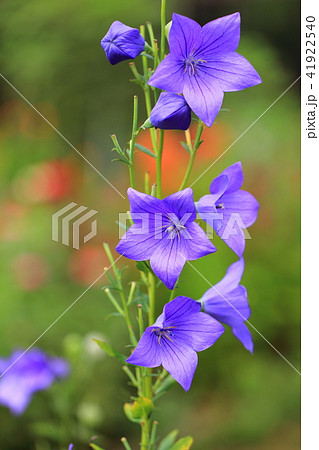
(68, 220)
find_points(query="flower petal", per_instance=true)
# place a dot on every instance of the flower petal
(184, 36)
(136, 244)
(208, 212)
(231, 233)
(143, 203)
(171, 112)
(180, 361)
(242, 203)
(233, 72)
(147, 352)
(199, 331)
(179, 308)
(228, 308)
(196, 244)
(204, 98)
(122, 42)
(167, 261)
(231, 279)
(169, 75)
(235, 179)
(231, 308)
(14, 394)
(182, 205)
(220, 35)
(242, 333)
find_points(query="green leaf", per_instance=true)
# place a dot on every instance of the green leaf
(147, 55)
(142, 266)
(164, 386)
(113, 314)
(125, 161)
(168, 440)
(145, 150)
(183, 444)
(108, 349)
(185, 145)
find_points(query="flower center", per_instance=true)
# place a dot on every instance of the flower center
(191, 63)
(164, 333)
(174, 227)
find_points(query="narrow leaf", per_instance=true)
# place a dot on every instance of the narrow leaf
(168, 440)
(185, 145)
(125, 161)
(107, 348)
(145, 150)
(183, 444)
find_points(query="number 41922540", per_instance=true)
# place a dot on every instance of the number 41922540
(310, 46)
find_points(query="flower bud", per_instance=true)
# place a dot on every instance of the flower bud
(122, 42)
(171, 112)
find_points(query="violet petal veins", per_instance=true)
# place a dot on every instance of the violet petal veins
(164, 232)
(203, 64)
(178, 333)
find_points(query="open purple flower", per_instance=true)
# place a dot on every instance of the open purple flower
(34, 371)
(178, 333)
(165, 233)
(171, 112)
(228, 209)
(122, 42)
(203, 64)
(227, 303)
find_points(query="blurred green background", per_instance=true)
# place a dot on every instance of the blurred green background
(50, 52)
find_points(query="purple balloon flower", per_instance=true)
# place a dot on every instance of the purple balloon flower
(171, 112)
(203, 64)
(178, 333)
(227, 303)
(34, 371)
(228, 209)
(165, 233)
(122, 42)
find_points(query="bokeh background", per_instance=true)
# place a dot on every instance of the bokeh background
(50, 52)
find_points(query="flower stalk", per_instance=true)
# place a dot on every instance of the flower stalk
(201, 65)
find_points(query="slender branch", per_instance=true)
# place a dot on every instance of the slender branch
(193, 150)
(151, 296)
(122, 295)
(132, 141)
(163, 24)
(159, 155)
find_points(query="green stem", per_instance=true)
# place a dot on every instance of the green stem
(132, 141)
(163, 24)
(188, 171)
(145, 435)
(126, 444)
(122, 295)
(193, 150)
(153, 433)
(151, 296)
(140, 319)
(159, 155)
(127, 318)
